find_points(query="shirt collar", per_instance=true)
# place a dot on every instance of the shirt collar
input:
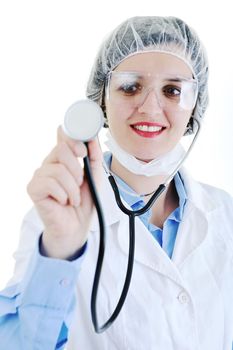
(181, 194)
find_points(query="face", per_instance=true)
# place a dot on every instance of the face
(153, 122)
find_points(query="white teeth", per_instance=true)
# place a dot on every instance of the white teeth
(148, 128)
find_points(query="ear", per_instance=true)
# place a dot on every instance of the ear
(103, 106)
(189, 128)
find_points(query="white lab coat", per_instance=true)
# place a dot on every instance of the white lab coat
(185, 303)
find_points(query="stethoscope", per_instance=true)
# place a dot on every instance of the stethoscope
(82, 122)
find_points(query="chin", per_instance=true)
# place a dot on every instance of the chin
(146, 158)
(147, 155)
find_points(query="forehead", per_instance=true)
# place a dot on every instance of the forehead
(155, 63)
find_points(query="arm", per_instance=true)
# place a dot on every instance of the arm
(36, 309)
(36, 313)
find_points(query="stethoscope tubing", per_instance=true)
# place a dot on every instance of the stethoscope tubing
(131, 214)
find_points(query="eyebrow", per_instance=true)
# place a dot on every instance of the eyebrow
(174, 79)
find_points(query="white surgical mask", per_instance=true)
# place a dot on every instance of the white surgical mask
(163, 165)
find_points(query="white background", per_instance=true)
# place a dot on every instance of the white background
(47, 50)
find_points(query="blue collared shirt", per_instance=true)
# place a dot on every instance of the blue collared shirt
(167, 235)
(37, 312)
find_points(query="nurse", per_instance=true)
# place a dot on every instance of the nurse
(150, 78)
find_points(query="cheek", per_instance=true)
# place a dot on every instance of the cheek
(179, 121)
(117, 116)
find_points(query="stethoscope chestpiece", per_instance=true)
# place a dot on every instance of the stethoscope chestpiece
(83, 120)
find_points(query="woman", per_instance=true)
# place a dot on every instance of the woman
(150, 78)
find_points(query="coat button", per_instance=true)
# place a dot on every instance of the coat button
(183, 298)
(65, 282)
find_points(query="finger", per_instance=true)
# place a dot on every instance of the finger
(62, 154)
(77, 147)
(65, 179)
(95, 157)
(94, 151)
(45, 188)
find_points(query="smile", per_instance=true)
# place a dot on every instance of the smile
(146, 129)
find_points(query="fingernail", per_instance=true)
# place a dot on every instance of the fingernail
(80, 150)
(80, 180)
(76, 203)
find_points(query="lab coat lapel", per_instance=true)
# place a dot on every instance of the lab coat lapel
(148, 250)
(194, 226)
(191, 233)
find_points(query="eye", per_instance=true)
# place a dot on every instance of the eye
(172, 91)
(130, 89)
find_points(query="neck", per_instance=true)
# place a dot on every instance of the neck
(139, 183)
(165, 204)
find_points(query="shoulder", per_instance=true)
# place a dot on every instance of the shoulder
(218, 194)
(205, 195)
(215, 205)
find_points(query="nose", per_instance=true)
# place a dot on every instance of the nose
(150, 104)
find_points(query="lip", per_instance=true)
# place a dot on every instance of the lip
(148, 124)
(147, 134)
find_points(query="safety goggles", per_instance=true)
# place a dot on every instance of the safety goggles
(131, 89)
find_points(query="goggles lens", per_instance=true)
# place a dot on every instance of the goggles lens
(131, 89)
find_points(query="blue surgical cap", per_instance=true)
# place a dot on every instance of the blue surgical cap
(150, 33)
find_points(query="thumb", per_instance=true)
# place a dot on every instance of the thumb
(96, 158)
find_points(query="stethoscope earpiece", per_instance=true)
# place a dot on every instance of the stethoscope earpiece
(83, 120)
